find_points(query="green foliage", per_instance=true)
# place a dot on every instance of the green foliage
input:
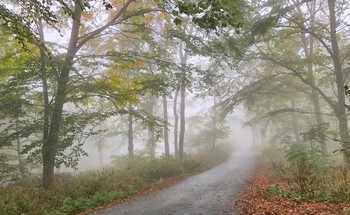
(72, 206)
(316, 132)
(307, 175)
(305, 165)
(7, 169)
(20, 24)
(212, 14)
(277, 189)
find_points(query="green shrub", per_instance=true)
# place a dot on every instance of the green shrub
(277, 189)
(309, 175)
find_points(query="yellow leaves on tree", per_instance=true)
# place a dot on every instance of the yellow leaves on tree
(124, 81)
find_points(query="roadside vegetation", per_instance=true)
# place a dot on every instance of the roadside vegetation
(77, 192)
(297, 179)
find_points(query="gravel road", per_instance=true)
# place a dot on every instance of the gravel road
(212, 192)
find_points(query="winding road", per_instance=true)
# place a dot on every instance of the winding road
(211, 193)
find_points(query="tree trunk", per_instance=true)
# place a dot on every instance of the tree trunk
(165, 119)
(183, 59)
(182, 117)
(176, 123)
(43, 59)
(295, 124)
(100, 154)
(214, 124)
(49, 147)
(21, 168)
(309, 51)
(130, 135)
(151, 141)
(151, 132)
(341, 108)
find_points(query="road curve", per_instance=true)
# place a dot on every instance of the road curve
(211, 193)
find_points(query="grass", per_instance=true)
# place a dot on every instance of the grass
(79, 192)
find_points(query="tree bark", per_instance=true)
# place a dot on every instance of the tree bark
(214, 124)
(295, 124)
(182, 117)
(151, 132)
(165, 131)
(183, 59)
(18, 149)
(130, 135)
(100, 154)
(176, 123)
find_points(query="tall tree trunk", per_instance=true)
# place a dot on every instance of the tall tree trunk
(151, 132)
(183, 59)
(46, 125)
(182, 117)
(130, 135)
(176, 123)
(49, 147)
(18, 149)
(309, 51)
(100, 154)
(214, 124)
(165, 131)
(341, 108)
(151, 141)
(43, 59)
(295, 124)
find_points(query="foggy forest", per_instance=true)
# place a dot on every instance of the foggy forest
(174, 107)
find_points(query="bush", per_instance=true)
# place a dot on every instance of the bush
(309, 175)
(306, 167)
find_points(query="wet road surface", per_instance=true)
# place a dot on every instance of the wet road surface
(210, 193)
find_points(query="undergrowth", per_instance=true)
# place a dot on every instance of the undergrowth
(75, 193)
(302, 173)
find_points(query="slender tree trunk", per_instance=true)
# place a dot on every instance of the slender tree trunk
(151, 132)
(309, 51)
(166, 131)
(47, 167)
(50, 146)
(100, 154)
(214, 124)
(151, 141)
(43, 59)
(130, 135)
(341, 108)
(182, 117)
(18, 149)
(319, 121)
(183, 59)
(176, 123)
(295, 124)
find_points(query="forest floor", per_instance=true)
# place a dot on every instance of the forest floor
(257, 199)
